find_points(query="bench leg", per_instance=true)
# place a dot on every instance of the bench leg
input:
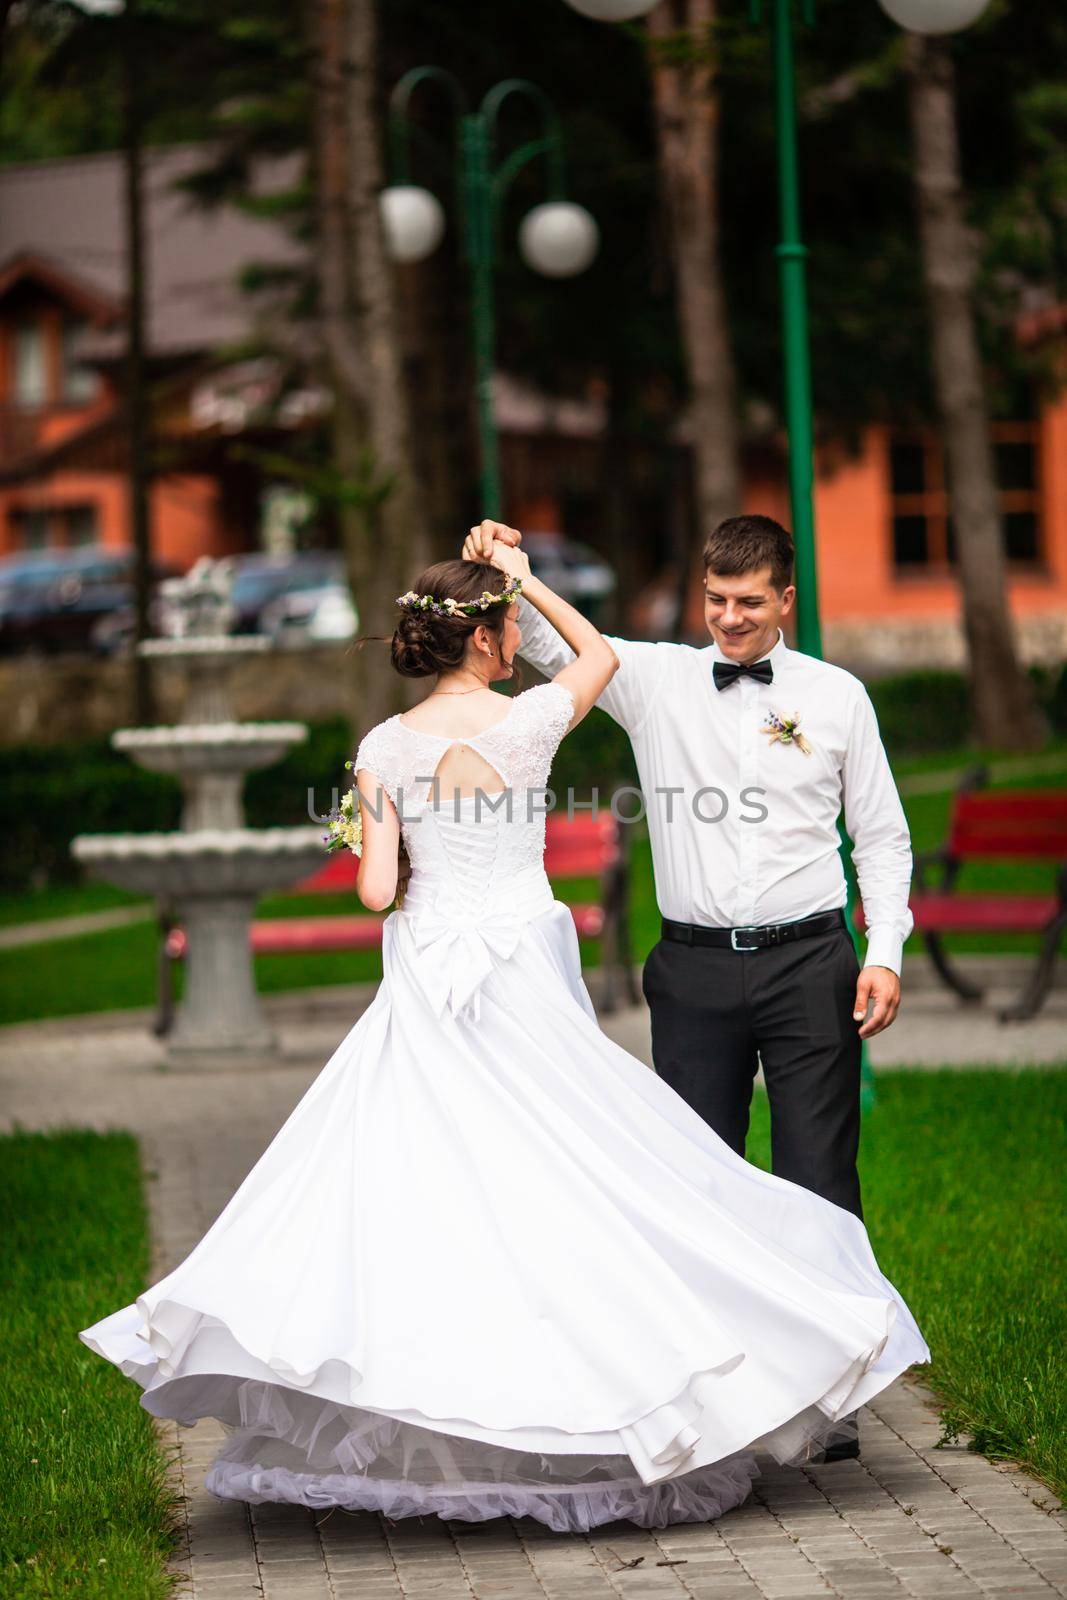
(626, 949)
(609, 959)
(164, 1018)
(967, 991)
(1033, 996)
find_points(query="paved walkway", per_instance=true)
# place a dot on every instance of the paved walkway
(909, 1520)
(48, 929)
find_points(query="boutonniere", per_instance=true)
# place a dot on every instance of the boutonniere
(786, 730)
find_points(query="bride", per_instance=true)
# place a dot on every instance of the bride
(491, 1264)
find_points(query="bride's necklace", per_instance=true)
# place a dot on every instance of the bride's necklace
(445, 693)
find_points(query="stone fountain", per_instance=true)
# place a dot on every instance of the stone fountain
(211, 873)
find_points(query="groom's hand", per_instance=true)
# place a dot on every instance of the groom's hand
(879, 986)
(478, 545)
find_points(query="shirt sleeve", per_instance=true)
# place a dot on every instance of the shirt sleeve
(881, 842)
(630, 694)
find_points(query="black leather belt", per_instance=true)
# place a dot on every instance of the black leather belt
(753, 938)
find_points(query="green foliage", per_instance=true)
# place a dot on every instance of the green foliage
(302, 785)
(87, 1507)
(931, 710)
(50, 793)
(920, 711)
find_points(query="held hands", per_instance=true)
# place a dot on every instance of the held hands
(879, 986)
(495, 542)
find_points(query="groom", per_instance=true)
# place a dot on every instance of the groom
(747, 752)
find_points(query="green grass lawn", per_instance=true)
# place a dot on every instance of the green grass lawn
(87, 1508)
(963, 1197)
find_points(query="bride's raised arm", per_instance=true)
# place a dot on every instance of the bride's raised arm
(629, 695)
(593, 663)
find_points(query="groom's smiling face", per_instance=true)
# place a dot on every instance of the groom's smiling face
(743, 613)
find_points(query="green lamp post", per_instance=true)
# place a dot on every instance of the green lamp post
(792, 280)
(557, 238)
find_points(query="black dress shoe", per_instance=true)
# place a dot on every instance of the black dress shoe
(844, 1447)
(845, 1450)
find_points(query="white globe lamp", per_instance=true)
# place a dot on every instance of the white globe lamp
(934, 16)
(612, 10)
(413, 221)
(558, 239)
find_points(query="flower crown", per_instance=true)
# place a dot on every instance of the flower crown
(459, 608)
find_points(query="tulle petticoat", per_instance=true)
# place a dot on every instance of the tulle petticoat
(362, 1463)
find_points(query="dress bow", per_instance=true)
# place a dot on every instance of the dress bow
(457, 954)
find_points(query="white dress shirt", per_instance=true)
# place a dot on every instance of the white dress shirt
(753, 836)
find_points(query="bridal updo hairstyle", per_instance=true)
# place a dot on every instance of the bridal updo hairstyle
(425, 642)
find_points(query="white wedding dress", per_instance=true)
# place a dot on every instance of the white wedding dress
(491, 1264)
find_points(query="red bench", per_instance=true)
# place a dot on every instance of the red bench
(1014, 825)
(575, 847)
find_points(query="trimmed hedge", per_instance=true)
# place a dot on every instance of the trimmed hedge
(47, 795)
(923, 711)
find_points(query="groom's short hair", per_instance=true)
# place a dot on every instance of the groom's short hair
(748, 544)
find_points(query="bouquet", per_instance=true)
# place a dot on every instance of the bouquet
(345, 824)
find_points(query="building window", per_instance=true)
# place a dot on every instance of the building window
(53, 527)
(79, 382)
(923, 535)
(30, 527)
(29, 378)
(78, 524)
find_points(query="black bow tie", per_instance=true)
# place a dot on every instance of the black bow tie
(727, 672)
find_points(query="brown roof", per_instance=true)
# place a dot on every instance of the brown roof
(70, 212)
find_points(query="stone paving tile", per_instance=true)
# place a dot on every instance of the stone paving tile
(909, 1520)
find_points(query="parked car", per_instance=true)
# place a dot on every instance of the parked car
(260, 579)
(259, 582)
(114, 632)
(324, 615)
(54, 600)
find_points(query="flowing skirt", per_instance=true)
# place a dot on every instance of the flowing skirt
(493, 1265)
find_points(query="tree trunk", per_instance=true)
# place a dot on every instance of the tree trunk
(1003, 706)
(137, 401)
(399, 519)
(687, 135)
(434, 316)
(380, 514)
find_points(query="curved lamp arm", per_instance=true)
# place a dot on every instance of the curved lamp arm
(401, 128)
(550, 144)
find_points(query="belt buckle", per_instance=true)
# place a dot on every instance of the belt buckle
(747, 928)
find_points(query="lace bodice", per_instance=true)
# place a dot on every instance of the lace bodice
(474, 857)
(520, 747)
